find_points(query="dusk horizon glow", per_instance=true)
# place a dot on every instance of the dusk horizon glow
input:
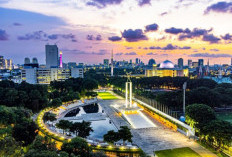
(86, 31)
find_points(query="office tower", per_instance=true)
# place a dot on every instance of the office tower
(1, 62)
(34, 60)
(195, 64)
(137, 61)
(231, 61)
(130, 61)
(61, 61)
(106, 62)
(180, 62)
(200, 62)
(112, 64)
(151, 62)
(27, 61)
(190, 63)
(51, 56)
(72, 65)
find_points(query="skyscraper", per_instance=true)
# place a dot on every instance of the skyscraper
(1, 62)
(180, 62)
(231, 62)
(106, 62)
(190, 63)
(200, 62)
(51, 56)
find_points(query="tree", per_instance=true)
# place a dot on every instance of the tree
(125, 134)
(10, 147)
(220, 132)
(25, 132)
(111, 136)
(90, 84)
(77, 146)
(75, 128)
(64, 125)
(84, 129)
(98, 154)
(198, 115)
(48, 116)
(56, 103)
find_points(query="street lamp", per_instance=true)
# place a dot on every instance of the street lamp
(184, 88)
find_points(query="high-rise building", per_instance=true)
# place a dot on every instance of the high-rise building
(27, 61)
(190, 63)
(72, 65)
(137, 61)
(2, 62)
(34, 60)
(151, 62)
(106, 62)
(200, 62)
(51, 56)
(195, 64)
(231, 61)
(180, 63)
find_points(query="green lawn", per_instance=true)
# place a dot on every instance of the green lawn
(106, 96)
(179, 152)
(227, 116)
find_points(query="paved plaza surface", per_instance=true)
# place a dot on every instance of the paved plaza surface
(153, 139)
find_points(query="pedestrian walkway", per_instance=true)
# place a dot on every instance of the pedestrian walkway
(154, 139)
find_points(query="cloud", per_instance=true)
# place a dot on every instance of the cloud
(101, 52)
(210, 55)
(115, 38)
(90, 37)
(154, 48)
(17, 24)
(227, 37)
(220, 7)
(144, 2)
(3, 35)
(151, 53)
(211, 38)
(196, 32)
(119, 54)
(152, 27)
(214, 50)
(42, 36)
(133, 35)
(169, 47)
(131, 53)
(103, 3)
(128, 47)
(99, 37)
(163, 13)
(174, 30)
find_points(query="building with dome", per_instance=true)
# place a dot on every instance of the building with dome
(165, 69)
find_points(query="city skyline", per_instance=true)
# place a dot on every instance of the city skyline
(142, 29)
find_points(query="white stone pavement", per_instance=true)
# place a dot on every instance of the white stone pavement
(149, 139)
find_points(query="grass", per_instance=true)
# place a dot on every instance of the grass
(179, 152)
(106, 96)
(227, 116)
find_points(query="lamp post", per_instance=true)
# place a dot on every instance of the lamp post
(184, 88)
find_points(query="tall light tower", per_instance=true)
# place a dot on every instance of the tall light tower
(61, 61)
(112, 64)
(184, 88)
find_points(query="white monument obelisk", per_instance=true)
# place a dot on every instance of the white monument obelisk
(112, 64)
(128, 102)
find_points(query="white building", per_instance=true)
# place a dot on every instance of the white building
(52, 56)
(46, 75)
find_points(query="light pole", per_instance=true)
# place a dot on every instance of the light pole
(184, 88)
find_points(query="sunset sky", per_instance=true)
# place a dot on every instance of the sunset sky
(87, 30)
